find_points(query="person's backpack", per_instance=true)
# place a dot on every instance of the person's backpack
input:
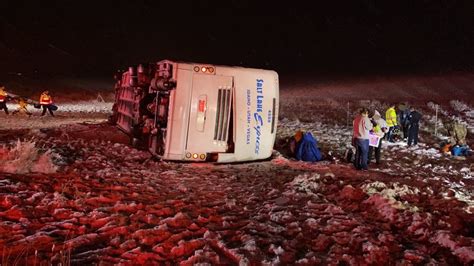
(307, 149)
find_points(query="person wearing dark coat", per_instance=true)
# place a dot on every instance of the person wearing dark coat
(404, 123)
(414, 125)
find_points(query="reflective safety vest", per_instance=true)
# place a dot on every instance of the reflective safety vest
(380, 128)
(46, 99)
(3, 96)
(377, 129)
(391, 117)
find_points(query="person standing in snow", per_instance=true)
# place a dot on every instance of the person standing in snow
(414, 124)
(379, 128)
(3, 99)
(46, 102)
(404, 123)
(391, 118)
(360, 137)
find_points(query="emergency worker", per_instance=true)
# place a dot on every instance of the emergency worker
(46, 102)
(391, 118)
(3, 99)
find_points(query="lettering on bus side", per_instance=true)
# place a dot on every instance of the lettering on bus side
(249, 117)
(257, 114)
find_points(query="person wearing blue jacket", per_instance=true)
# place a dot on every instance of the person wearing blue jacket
(307, 149)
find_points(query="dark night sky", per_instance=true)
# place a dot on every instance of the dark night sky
(344, 37)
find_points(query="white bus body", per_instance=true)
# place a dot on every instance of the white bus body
(213, 113)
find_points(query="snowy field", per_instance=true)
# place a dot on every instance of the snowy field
(73, 191)
(67, 113)
(77, 107)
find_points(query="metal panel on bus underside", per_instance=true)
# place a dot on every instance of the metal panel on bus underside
(127, 108)
(210, 113)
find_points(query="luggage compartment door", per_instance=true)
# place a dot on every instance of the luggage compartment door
(210, 114)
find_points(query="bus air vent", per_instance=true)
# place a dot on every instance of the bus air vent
(222, 114)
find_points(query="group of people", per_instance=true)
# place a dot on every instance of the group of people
(407, 122)
(45, 102)
(368, 133)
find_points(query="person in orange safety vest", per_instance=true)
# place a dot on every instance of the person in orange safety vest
(46, 102)
(3, 99)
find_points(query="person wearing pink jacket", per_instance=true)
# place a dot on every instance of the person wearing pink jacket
(360, 138)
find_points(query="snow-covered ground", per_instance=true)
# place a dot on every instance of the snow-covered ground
(67, 113)
(77, 107)
(72, 190)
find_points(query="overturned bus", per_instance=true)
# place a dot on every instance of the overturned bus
(198, 112)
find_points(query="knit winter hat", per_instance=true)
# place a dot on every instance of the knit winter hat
(298, 135)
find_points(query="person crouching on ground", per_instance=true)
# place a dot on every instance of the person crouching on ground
(391, 118)
(414, 122)
(22, 107)
(360, 137)
(3, 99)
(46, 101)
(379, 128)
